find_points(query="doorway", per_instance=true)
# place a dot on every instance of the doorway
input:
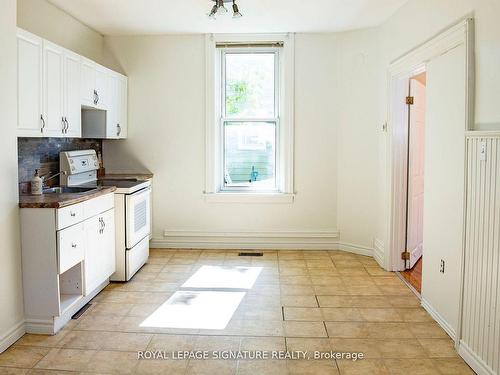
(413, 251)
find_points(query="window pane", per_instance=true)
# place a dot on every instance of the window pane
(250, 85)
(250, 154)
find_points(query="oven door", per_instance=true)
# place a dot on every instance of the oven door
(137, 217)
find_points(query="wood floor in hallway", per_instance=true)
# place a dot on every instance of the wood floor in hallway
(414, 275)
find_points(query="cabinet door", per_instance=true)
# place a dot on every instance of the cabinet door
(72, 107)
(122, 107)
(99, 249)
(29, 79)
(112, 114)
(92, 263)
(53, 89)
(88, 83)
(116, 120)
(101, 87)
(108, 244)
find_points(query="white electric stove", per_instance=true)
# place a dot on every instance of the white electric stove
(132, 209)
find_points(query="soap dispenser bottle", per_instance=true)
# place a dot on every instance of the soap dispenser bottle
(36, 184)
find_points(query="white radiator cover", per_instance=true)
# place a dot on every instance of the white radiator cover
(480, 333)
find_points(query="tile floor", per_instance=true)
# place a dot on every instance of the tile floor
(300, 301)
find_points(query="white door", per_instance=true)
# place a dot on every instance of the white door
(416, 170)
(30, 120)
(53, 89)
(444, 182)
(88, 90)
(72, 107)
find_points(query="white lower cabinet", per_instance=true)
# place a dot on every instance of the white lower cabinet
(99, 262)
(68, 255)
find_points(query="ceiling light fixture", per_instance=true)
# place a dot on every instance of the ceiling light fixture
(219, 9)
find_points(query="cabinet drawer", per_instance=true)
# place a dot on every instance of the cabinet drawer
(70, 247)
(98, 205)
(70, 215)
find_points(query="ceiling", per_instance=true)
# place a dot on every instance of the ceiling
(137, 17)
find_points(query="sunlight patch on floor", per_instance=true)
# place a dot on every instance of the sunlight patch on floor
(196, 310)
(224, 277)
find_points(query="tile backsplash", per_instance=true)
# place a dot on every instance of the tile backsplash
(43, 154)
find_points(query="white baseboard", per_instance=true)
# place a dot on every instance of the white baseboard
(473, 360)
(306, 240)
(378, 252)
(323, 240)
(439, 319)
(39, 326)
(356, 249)
(14, 334)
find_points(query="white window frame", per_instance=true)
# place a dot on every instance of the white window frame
(214, 187)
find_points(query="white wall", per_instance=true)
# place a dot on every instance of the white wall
(47, 21)
(11, 293)
(167, 136)
(399, 36)
(358, 119)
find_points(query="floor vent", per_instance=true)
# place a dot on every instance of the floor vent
(80, 312)
(250, 254)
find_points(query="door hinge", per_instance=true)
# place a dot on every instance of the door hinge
(405, 255)
(410, 100)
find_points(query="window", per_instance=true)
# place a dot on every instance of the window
(249, 116)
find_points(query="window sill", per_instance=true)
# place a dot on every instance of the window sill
(227, 197)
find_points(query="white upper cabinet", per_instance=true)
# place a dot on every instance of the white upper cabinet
(112, 123)
(94, 93)
(116, 121)
(72, 105)
(88, 91)
(101, 87)
(53, 57)
(56, 85)
(122, 106)
(30, 120)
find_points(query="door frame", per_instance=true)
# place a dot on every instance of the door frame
(400, 71)
(422, 68)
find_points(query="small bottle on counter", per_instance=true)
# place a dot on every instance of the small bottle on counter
(36, 184)
(101, 172)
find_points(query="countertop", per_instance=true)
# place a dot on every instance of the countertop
(61, 200)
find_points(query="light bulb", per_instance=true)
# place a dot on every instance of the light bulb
(212, 13)
(221, 9)
(236, 11)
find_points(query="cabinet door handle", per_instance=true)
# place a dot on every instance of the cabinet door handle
(43, 123)
(67, 125)
(73, 245)
(97, 97)
(63, 125)
(101, 221)
(72, 214)
(118, 130)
